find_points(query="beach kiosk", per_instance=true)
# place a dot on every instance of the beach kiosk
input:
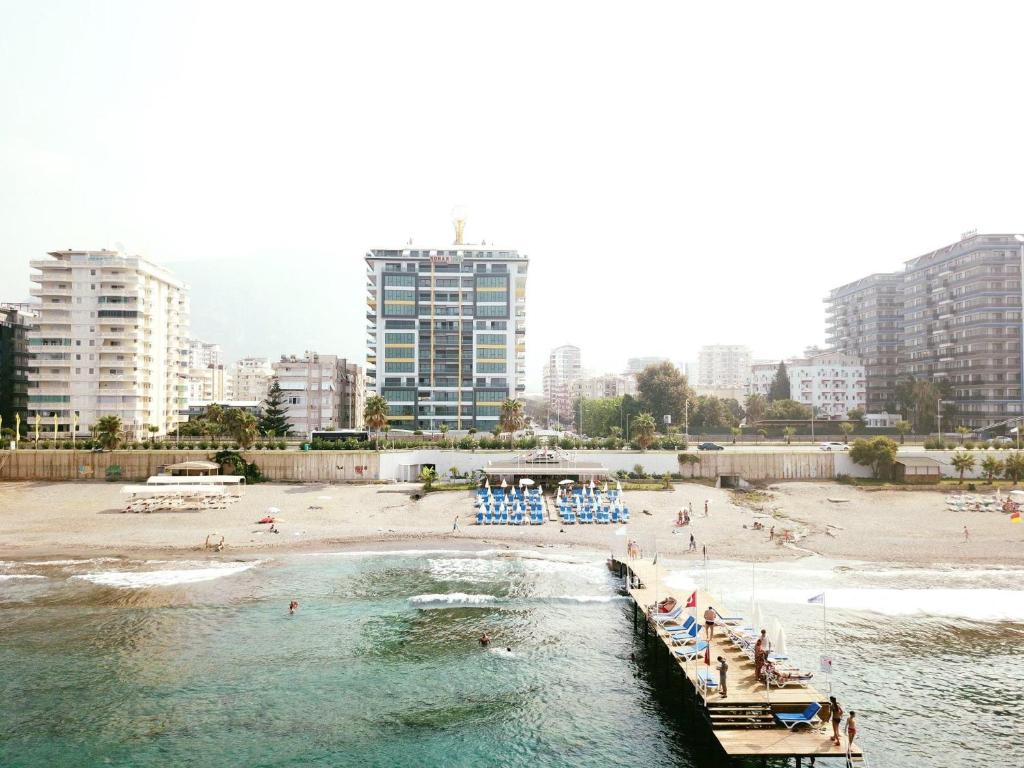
(917, 470)
(195, 468)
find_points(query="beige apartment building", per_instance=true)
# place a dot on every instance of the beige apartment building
(321, 391)
(111, 339)
(251, 378)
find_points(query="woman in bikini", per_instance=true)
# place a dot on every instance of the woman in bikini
(837, 715)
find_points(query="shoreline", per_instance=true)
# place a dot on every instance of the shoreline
(51, 519)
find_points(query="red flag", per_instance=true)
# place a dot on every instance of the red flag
(707, 655)
(691, 601)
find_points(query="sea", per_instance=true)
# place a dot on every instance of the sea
(141, 663)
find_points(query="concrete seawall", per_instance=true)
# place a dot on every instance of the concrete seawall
(354, 466)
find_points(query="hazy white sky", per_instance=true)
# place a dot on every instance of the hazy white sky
(679, 173)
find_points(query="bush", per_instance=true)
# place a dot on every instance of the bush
(935, 444)
(466, 443)
(281, 445)
(203, 445)
(67, 445)
(969, 444)
(146, 444)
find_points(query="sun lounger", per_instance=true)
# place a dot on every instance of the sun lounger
(675, 613)
(689, 654)
(686, 636)
(733, 620)
(480, 518)
(706, 680)
(807, 717)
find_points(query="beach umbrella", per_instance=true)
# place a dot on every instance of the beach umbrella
(779, 640)
(526, 481)
(565, 482)
(605, 489)
(618, 486)
(592, 484)
(273, 511)
(504, 483)
(756, 618)
(487, 484)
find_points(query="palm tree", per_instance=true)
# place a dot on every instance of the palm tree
(1013, 466)
(902, 427)
(444, 434)
(789, 432)
(241, 426)
(991, 466)
(428, 476)
(736, 432)
(963, 432)
(644, 428)
(846, 428)
(962, 462)
(108, 431)
(375, 414)
(511, 419)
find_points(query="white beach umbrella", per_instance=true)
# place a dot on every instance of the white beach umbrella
(591, 483)
(618, 486)
(605, 489)
(565, 482)
(526, 481)
(273, 511)
(779, 639)
(504, 483)
(757, 618)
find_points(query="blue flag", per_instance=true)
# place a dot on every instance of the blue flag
(817, 598)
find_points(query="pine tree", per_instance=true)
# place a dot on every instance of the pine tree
(274, 420)
(780, 384)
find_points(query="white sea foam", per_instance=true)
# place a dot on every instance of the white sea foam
(389, 553)
(164, 578)
(12, 576)
(586, 598)
(453, 598)
(83, 561)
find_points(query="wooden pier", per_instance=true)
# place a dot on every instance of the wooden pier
(743, 723)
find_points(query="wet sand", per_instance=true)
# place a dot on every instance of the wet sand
(76, 518)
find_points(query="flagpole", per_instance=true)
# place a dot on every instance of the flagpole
(824, 635)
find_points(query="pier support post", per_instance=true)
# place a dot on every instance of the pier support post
(799, 761)
(634, 617)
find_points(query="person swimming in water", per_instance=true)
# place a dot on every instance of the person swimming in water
(485, 639)
(293, 606)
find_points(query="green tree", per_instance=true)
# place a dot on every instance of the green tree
(109, 431)
(444, 434)
(375, 415)
(511, 418)
(779, 390)
(962, 430)
(600, 415)
(879, 453)
(241, 426)
(428, 476)
(756, 407)
(710, 414)
(992, 467)
(962, 462)
(1013, 466)
(846, 428)
(902, 427)
(736, 432)
(274, 420)
(664, 391)
(644, 428)
(919, 399)
(152, 429)
(856, 415)
(788, 410)
(789, 432)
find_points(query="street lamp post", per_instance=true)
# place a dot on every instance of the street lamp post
(686, 421)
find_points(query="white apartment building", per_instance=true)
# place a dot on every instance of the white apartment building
(251, 378)
(561, 372)
(723, 366)
(832, 382)
(213, 383)
(446, 331)
(321, 391)
(605, 385)
(203, 354)
(111, 339)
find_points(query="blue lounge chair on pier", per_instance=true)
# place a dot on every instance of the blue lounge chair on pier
(807, 717)
(706, 681)
(689, 654)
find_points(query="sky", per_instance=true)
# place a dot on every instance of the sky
(678, 173)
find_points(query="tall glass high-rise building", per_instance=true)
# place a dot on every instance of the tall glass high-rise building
(447, 333)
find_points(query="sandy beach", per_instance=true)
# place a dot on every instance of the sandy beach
(884, 526)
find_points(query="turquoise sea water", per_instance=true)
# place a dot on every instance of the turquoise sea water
(160, 663)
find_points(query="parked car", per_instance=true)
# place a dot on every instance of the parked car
(1003, 440)
(833, 446)
(710, 447)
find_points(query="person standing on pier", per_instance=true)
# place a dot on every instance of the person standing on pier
(759, 658)
(723, 671)
(835, 716)
(709, 622)
(851, 729)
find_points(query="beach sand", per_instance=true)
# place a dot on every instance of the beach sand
(73, 518)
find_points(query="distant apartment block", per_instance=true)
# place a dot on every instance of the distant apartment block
(110, 339)
(447, 332)
(637, 364)
(952, 315)
(321, 391)
(832, 383)
(251, 377)
(15, 322)
(865, 319)
(723, 366)
(605, 385)
(561, 372)
(210, 384)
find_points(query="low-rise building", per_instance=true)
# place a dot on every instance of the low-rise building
(832, 382)
(321, 391)
(251, 378)
(605, 385)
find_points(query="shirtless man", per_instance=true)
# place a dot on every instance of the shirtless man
(709, 622)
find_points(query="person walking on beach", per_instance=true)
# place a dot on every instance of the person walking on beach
(707, 503)
(709, 622)
(723, 671)
(693, 544)
(967, 534)
(455, 525)
(835, 716)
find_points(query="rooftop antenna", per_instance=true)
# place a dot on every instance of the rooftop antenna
(459, 215)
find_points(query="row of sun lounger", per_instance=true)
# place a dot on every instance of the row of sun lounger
(604, 515)
(504, 517)
(175, 502)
